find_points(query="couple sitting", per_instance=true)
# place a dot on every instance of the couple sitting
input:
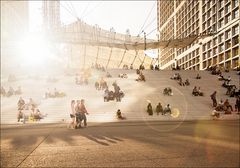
(141, 77)
(159, 109)
(167, 91)
(197, 92)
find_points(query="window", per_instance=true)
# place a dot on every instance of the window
(214, 41)
(235, 14)
(220, 23)
(204, 17)
(221, 3)
(235, 3)
(221, 48)
(227, 19)
(228, 34)
(228, 44)
(235, 51)
(227, 8)
(235, 40)
(209, 44)
(221, 13)
(235, 30)
(221, 38)
(204, 47)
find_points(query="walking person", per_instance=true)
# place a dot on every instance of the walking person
(214, 100)
(72, 115)
(83, 112)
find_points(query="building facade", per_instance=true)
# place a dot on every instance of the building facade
(51, 15)
(182, 18)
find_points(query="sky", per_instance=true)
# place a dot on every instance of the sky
(121, 15)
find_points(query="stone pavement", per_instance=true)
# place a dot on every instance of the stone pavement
(122, 144)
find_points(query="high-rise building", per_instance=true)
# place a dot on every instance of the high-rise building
(182, 18)
(51, 15)
(14, 19)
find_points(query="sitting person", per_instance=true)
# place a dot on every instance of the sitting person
(195, 91)
(198, 76)
(20, 116)
(108, 75)
(119, 115)
(227, 107)
(166, 110)
(215, 114)
(228, 79)
(10, 92)
(31, 104)
(221, 77)
(159, 108)
(149, 109)
(137, 71)
(200, 93)
(176, 76)
(220, 106)
(97, 85)
(181, 82)
(187, 83)
(141, 77)
(3, 92)
(37, 115)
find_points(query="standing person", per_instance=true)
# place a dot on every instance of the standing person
(77, 111)
(72, 114)
(214, 100)
(237, 105)
(83, 112)
(21, 104)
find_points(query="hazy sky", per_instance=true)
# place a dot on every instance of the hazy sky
(120, 15)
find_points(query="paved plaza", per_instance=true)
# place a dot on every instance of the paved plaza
(123, 144)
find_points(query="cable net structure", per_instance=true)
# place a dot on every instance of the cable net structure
(86, 45)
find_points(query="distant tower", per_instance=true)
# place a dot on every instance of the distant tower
(51, 15)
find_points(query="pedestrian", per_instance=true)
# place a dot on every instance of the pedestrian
(214, 100)
(83, 112)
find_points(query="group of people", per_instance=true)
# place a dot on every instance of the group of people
(167, 91)
(78, 114)
(156, 67)
(81, 79)
(197, 91)
(111, 95)
(101, 84)
(54, 94)
(11, 91)
(159, 109)
(124, 75)
(225, 106)
(35, 114)
(98, 67)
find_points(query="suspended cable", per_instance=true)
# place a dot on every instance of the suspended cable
(73, 9)
(90, 11)
(147, 18)
(152, 21)
(151, 31)
(85, 9)
(67, 10)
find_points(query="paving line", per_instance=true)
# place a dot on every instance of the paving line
(36, 146)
